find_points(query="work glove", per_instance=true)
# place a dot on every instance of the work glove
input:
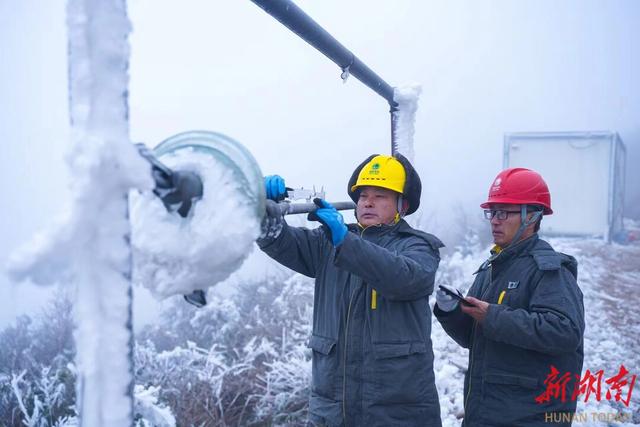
(274, 187)
(272, 221)
(445, 302)
(329, 216)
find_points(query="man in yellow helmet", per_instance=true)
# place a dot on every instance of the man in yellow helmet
(372, 356)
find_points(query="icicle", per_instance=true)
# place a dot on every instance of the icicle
(346, 71)
(407, 99)
(345, 74)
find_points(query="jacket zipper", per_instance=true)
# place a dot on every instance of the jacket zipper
(473, 330)
(344, 361)
(346, 344)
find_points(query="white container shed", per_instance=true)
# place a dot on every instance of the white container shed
(585, 173)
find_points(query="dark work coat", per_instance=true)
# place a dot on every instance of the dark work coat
(539, 323)
(371, 338)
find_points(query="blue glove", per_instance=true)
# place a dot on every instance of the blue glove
(329, 216)
(274, 187)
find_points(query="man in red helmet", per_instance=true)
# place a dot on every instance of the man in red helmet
(523, 314)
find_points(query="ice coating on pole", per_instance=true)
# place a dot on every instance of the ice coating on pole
(175, 255)
(405, 117)
(98, 70)
(89, 246)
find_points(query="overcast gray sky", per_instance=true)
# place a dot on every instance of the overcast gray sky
(486, 68)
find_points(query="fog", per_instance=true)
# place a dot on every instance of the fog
(486, 68)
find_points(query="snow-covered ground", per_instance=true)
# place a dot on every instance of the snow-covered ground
(609, 276)
(242, 358)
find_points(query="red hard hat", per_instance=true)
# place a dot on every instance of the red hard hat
(519, 186)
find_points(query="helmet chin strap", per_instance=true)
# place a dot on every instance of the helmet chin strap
(524, 224)
(400, 213)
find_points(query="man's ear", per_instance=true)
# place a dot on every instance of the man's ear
(405, 206)
(533, 224)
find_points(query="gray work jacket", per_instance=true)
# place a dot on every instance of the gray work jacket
(372, 354)
(538, 322)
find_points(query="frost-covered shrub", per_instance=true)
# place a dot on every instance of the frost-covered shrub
(240, 360)
(285, 388)
(457, 268)
(17, 344)
(149, 412)
(37, 381)
(44, 400)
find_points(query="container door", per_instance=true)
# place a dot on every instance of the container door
(577, 172)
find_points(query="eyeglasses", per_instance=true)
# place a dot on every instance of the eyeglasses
(498, 213)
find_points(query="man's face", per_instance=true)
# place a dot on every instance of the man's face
(376, 206)
(505, 230)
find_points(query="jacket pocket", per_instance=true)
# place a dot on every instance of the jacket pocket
(508, 399)
(321, 344)
(324, 366)
(389, 350)
(515, 380)
(400, 373)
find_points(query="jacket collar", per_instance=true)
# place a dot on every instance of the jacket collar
(499, 255)
(520, 248)
(380, 229)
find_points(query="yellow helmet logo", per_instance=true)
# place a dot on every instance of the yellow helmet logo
(382, 171)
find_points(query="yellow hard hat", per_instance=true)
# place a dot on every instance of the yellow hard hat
(382, 171)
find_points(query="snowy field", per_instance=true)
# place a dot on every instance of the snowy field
(243, 360)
